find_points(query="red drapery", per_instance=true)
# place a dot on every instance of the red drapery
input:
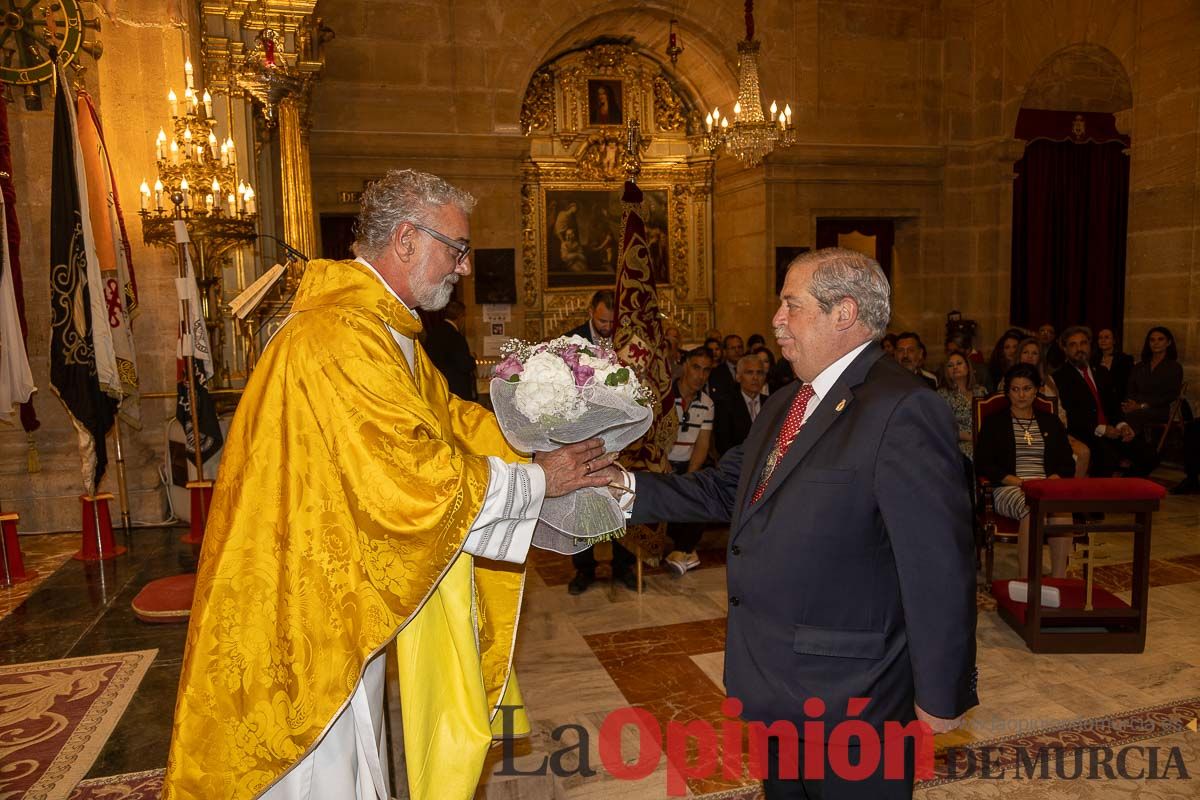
(1070, 209)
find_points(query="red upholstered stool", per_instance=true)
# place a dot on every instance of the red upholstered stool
(98, 542)
(166, 599)
(12, 566)
(1090, 620)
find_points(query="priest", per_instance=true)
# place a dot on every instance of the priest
(362, 513)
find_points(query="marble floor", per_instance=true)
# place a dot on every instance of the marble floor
(580, 658)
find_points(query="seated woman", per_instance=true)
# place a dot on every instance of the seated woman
(1155, 381)
(1022, 445)
(1030, 352)
(959, 389)
(1004, 354)
(1110, 356)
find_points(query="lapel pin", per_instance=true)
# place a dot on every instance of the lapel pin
(840, 405)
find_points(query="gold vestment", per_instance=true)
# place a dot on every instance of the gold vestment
(347, 487)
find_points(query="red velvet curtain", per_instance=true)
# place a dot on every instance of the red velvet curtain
(1070, 209)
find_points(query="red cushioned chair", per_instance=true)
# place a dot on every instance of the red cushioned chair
(1089, 618)
(990, 527)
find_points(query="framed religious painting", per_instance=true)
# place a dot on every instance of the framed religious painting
(583, 237)
(605, 101)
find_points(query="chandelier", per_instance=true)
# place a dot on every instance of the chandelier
(197, 175)
(752, 133)
(198, 183)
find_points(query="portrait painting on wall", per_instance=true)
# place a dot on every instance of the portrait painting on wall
(583, 236)
(604, 102)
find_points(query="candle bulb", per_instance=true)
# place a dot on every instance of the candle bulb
(724, 123)
(158, 192)
(187, 72)
(232, 204)
(249, 200)
(216, 187)
(209, 203)
(207, 104)
(708, 121)
(160, 143)
(232, 154)
(212, 145)
(716, 115)
(782, 121)
(774, 108)
(174, 152)
(737, 110)
(187, 194)
(173, 99)
(145, 194)
(224, 155)
(787, 110)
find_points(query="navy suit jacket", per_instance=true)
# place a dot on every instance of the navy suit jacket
(854, 575)
(584, 330)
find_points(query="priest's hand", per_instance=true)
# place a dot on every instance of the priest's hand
(575, 466)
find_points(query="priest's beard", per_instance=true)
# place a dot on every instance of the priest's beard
(433, 296)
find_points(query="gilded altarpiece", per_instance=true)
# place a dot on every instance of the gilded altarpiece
(572, 182)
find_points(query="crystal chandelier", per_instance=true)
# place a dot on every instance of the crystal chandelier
(751, 135)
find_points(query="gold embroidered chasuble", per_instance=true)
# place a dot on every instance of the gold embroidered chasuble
(347, 487)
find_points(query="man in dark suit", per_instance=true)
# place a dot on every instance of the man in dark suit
(450, 353)
(850, 563)
(1093, 410)
(736, 412)
(910, 352)
(599, 324)
(723, 379)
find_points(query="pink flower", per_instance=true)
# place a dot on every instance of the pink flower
(583, 374)
(509, 368)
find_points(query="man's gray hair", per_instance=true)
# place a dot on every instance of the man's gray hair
(1073, 331)
(842, 273)
(402, 195)
(748, 360)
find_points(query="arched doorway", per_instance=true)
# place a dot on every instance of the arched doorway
(1071, 194)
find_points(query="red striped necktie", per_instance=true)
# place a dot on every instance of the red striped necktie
(787, 434)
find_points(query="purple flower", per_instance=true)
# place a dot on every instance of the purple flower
(509, 368)
(583, 374)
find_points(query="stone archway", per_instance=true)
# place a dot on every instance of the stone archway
(1080, 77)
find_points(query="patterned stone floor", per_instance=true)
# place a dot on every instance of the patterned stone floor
(580, 658)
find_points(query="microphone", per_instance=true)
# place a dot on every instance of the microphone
(287, 248)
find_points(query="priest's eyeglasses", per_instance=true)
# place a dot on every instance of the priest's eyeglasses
(462, 248)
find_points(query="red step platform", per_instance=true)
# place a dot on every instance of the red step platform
(98, 542)
(12, 567)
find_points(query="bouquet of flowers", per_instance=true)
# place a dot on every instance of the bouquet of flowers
(560, 392)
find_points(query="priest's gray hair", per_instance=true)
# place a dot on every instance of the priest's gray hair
(842, 273)
(402, 195)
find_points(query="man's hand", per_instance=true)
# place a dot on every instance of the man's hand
(939, 724)
(1125, 431)
(575, 466)
(1112, 432)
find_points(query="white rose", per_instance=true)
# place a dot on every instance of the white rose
(547, 390)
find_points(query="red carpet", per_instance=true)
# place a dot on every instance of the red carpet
(55, 717)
